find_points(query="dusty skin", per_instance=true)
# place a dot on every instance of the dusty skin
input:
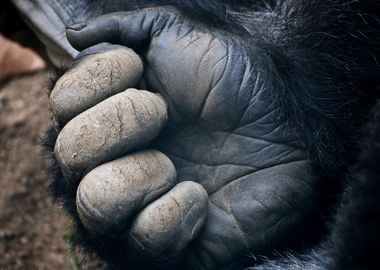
(94, 78)
(112, 192)
(174, 219)
(110, 129)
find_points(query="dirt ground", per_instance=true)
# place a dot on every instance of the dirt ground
(31, 225)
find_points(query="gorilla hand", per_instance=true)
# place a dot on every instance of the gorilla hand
(225, 134)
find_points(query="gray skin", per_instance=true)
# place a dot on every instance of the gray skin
(76, 91)
(132, 182)
(224, 132)
(109, 129)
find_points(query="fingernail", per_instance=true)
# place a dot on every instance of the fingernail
(77, 26)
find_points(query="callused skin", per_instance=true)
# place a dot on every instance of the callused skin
(248, 184)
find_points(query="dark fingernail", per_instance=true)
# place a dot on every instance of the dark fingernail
(77, 26)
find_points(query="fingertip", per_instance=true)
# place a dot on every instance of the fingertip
(111, 193)
(77, 90)
(74, 38)
(71, 37)
(94, 31)
(141, 25)
(169, 224)
(81, 35)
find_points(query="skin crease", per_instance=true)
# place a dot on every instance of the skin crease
(75, 91)
(121, 123)
(224, 132)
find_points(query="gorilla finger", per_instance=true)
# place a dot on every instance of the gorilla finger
(167, 225)
(133, 29)
(110, 129)
(99, 72)
(111, 193)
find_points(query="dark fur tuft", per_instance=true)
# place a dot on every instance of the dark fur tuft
(53, 78)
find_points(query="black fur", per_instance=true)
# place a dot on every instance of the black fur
(354, 241)
(319, 60)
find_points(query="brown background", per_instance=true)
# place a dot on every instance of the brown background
(31, 225)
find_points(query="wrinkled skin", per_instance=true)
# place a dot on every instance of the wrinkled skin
(224, 131)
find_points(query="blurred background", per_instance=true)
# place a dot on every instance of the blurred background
(34, 233)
